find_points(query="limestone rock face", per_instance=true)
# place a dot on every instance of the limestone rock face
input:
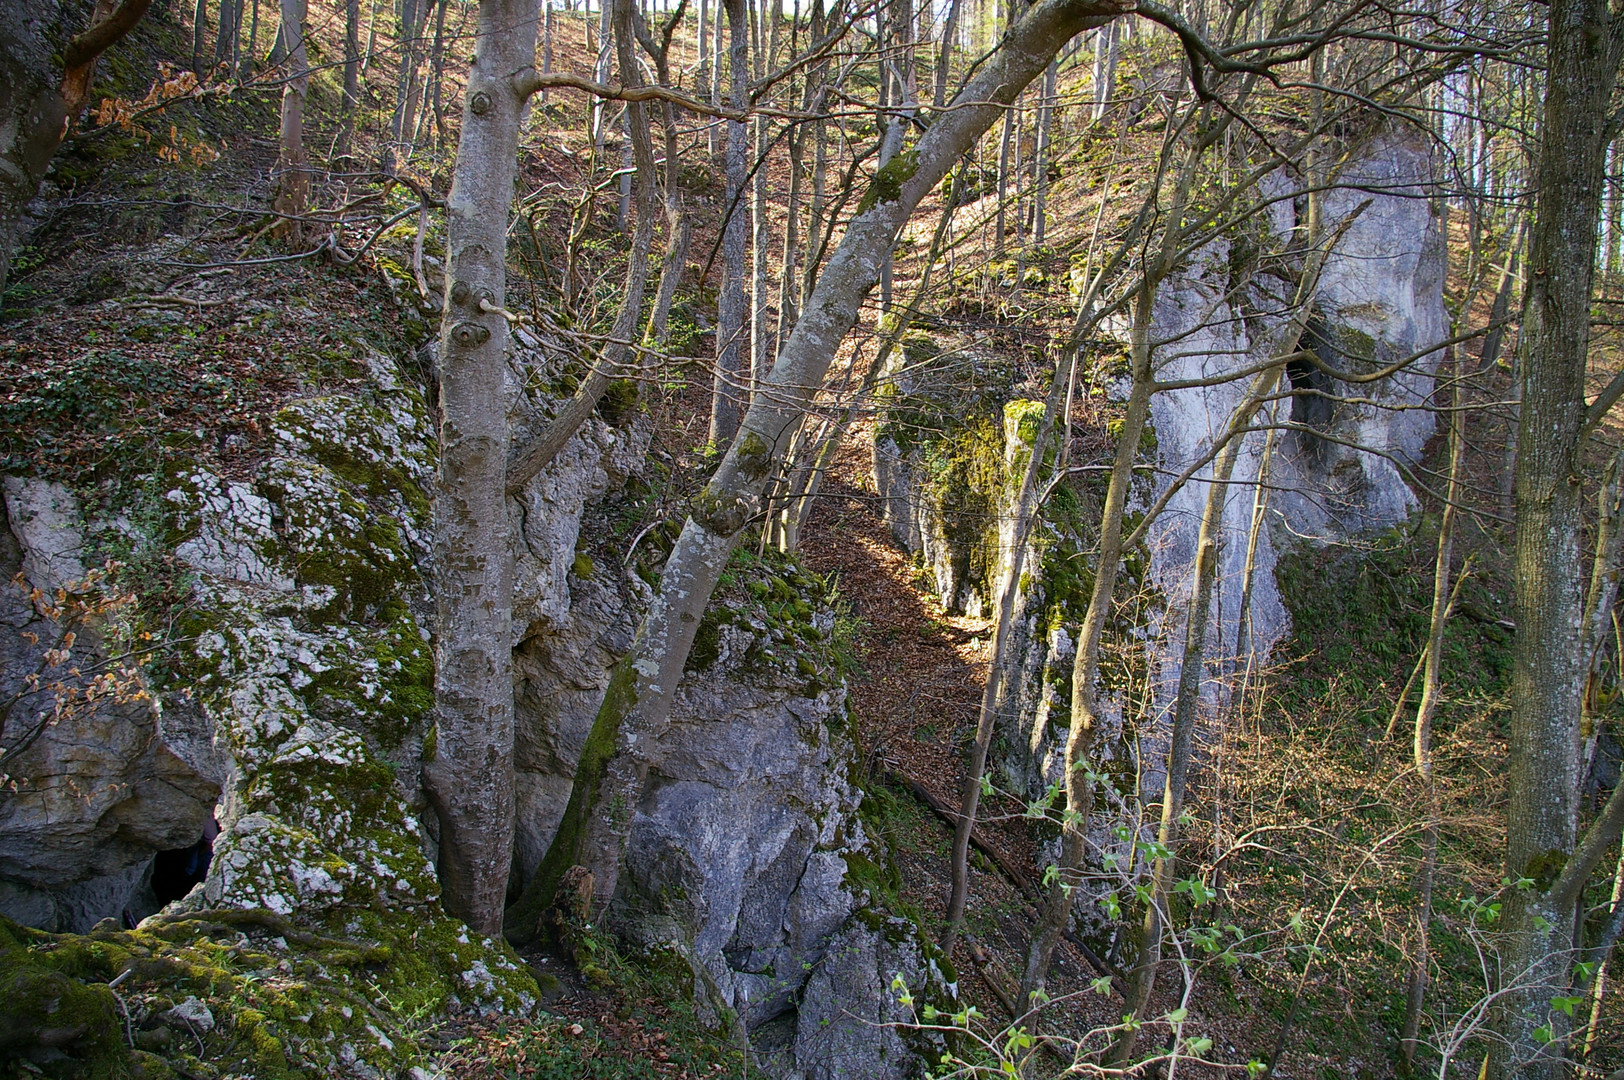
(1338, 471)
(742, 857)
(298, 710)
(300, 715)
(747, 851)
(742, 853)
(1379, 301)
(93, 788)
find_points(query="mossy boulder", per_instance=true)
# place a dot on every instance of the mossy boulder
(316, 942)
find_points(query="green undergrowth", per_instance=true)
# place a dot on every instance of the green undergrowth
(1360, 613)
(1325, 766)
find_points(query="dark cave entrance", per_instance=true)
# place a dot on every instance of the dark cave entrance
(1313, 400)
(175, 872)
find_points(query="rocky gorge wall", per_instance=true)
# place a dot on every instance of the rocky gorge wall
(297, 712)
(293, 706)
(1336, 465)
(748, 857)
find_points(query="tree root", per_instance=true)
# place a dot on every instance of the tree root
(278, 924)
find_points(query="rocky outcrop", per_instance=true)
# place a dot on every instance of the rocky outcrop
(297, 710)
(1339, 472)
(939, 462)
(98, 773)
(748, 858)
(295, 704)
(1336, 466)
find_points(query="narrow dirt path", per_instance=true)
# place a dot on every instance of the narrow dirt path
(914, 706)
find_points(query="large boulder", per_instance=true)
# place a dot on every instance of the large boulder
(748, 859)
(301, 677)
(99, 773)
(1340, 470)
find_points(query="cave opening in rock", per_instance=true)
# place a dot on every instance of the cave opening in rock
(175, 872)
(1313, 398)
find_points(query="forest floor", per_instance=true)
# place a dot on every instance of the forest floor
(250, 337)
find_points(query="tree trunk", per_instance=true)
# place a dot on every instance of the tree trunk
(716, 74)
(1040, 168)
(225, 42)
(759, 226)
(944, 58)
(352, 75)
(293, 171)
(702, 78)
(469, 778)
(679, 230)
(200, 26)
(1431, 683)
(372, 36)
(1548, 669)
(626, 735)
(730, 390)
(37, 106)
(434, 103)
(1599, 603)
(999, 224)
(1085, 718)
(600, 71)
(528, 459)
(405, 79)
(1105, 62)
(789, 262)
(816, 92)
(250, 60)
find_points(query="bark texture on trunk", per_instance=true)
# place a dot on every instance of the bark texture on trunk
(625, 739)
(293, 172)
(1548, 668)
(470, 777)
(728, 394)
(352, 74)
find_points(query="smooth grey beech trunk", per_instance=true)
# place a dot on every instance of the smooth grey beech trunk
(728, 393)
(1599, 603)
(679, 230)
(528, 458)
(1547, 682)
(469, 778)
(625, 739)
